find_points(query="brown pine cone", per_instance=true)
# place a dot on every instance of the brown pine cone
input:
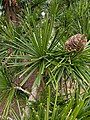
(76, 43)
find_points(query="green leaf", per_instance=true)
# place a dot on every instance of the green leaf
(4, 84)
(76, 111)
(8, 103)
(1, 2)
(67, 109)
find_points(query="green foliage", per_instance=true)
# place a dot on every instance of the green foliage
(3, 82)
(1, 2)
(37, 45)
(57, 108)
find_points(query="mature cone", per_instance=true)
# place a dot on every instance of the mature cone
(76, 43)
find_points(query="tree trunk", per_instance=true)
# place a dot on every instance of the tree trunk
(11, 8)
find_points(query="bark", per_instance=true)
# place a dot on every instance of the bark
(11, 8)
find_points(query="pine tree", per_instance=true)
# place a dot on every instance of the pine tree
(48, 53)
